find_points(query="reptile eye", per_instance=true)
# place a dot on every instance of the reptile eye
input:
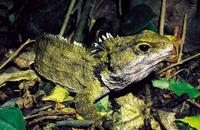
(144, 47)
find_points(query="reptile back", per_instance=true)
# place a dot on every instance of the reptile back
(65, 63)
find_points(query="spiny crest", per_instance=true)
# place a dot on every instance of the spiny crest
(101, 42)
(105, 37)
(77, 43)
(61, 38)
(113, 41)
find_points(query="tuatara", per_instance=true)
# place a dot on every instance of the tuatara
(113, 65)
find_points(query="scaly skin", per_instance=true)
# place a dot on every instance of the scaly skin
(116, 63)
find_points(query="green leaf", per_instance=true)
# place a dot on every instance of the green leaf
(12, 18)
(138, 19)
(134, 3)
(162, 84)
(103, 105)
(151, 26)
(11, 119)
(193, 121)
(58, 94)
(49, 126)
(178, 87)
(10, 103)
(13, 74)
(183, 126)
(184, 88)
(129, 116)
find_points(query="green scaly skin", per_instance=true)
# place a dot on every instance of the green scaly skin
(116, 63)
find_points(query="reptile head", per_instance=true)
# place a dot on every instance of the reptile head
(132, 58)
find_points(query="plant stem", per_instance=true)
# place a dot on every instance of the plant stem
(83, 21)
(16, 53)
(179, 63)
(162, 17)
(183, 37)
(67, 16)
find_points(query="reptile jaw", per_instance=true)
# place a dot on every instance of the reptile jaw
(133, 73)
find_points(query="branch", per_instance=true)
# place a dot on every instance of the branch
(79, 33)
(183, 37)
(62, 30)
(162, 17)
(179, 63)
(16, 53)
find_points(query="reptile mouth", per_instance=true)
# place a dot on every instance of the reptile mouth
(134, 72)
(153, 61)
(129, 77)
(158, 59)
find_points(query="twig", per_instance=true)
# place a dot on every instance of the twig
(179, 71)
(35, 121)
(46, 107)
(183, 107)
(183, 37)
(78, 9)
(120, 7)
(62, 30)
(179, 63)
(38, 114)
(17, 15)
(162, 17)
(16, 53)
(74, 123)
(193, 103)
(79, 32)
(148, 102)
(48, 113)
(41, 109)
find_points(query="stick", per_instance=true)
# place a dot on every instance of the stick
(193, 103)
(183, 37)
(62, 30)
(54, 117)
(16, 53)
(179, 63)
(162, 17)
(74, 123)
(79, 32)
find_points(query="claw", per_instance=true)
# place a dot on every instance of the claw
(77, 43)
